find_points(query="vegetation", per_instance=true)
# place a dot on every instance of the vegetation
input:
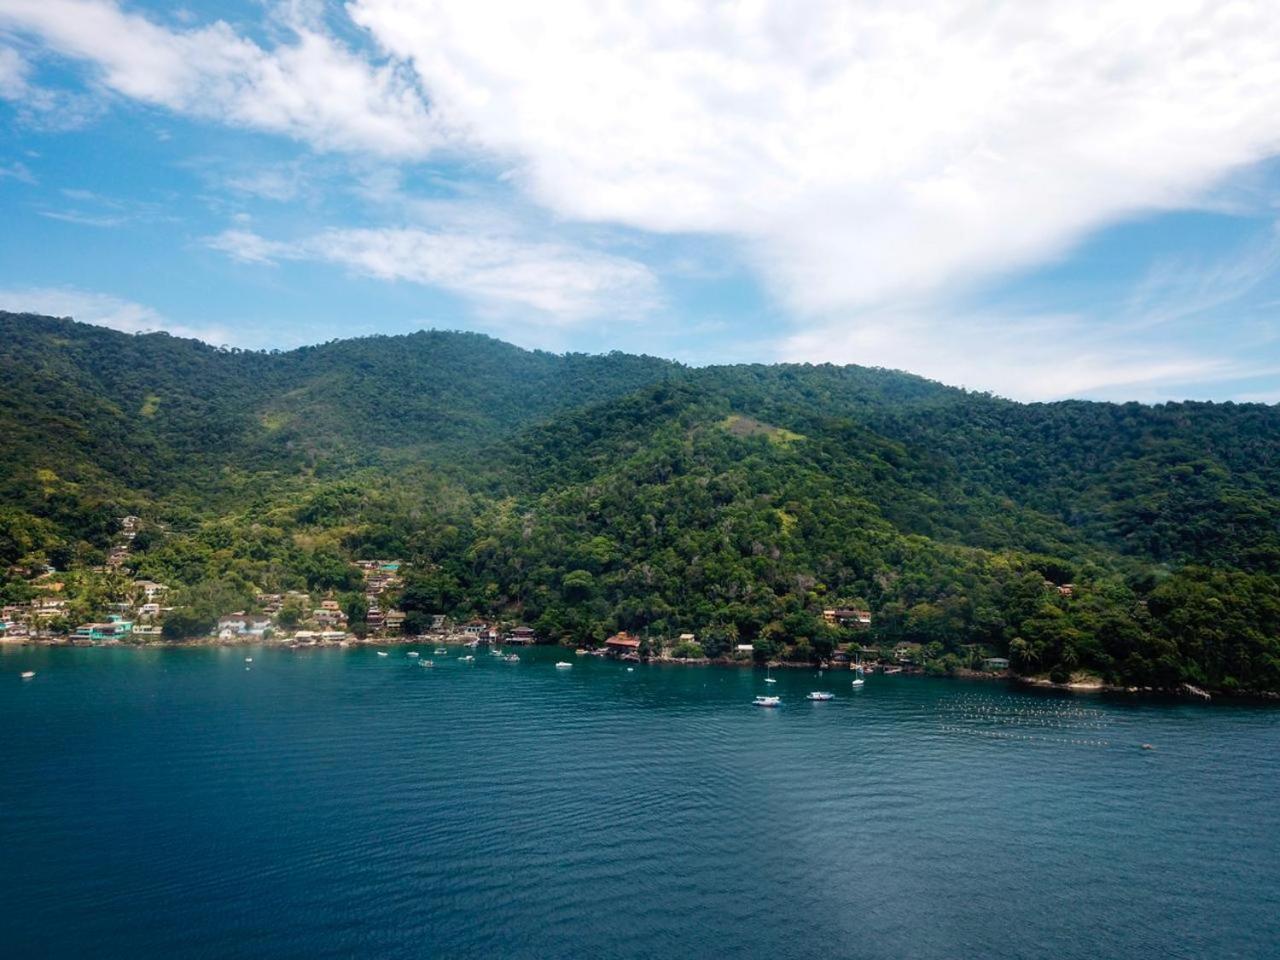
(585, 495)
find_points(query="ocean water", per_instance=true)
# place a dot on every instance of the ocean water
(333, 803)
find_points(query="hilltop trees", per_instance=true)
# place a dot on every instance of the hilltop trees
(586, 495)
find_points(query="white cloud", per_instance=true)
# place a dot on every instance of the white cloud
(1026, 358)
(545, 283)
(1162, 339)
(13, 74)
(873, 159)
(863, 151)
(17, 170)
(103, 310)
(313, 88)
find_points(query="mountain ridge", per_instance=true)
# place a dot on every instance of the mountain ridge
(590, 493)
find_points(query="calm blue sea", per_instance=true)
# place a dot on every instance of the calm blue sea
(333, 803)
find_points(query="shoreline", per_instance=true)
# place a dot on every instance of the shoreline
(1184, 692)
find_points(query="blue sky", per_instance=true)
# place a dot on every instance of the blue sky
(1079, 204)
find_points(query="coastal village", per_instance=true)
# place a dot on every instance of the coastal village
(138, 610)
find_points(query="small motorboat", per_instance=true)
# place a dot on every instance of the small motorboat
(581, 652)
(763, 701)
(248, 659)
(383, 653)
(28, 674)
(426, 663)
(440, 651)
(467, 658)
(412, 653)
(631, 669)
(564, 665)
(511, 658)
(820, 695)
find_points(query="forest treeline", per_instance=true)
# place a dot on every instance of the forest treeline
(588, 494)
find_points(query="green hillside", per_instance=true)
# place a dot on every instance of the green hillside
(587, 494)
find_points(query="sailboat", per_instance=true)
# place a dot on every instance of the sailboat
(859, 677)
(768, 670)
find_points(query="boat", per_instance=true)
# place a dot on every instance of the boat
(412, 653)
(763, 701)
(440, 651)
(248, 659)
(467, 659)
(767, 678)
(859, 676)
(511, 658)
(28, 674)
(820, 695)
(383, 653)
(631, 669)
(426, 663)
(563, 665)
(581, 652)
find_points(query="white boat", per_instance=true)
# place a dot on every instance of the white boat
(412, 653)
(28, 674)
(820, 695)
(564, 665)
(767, 701)
(383, 653)
(859, 677)
(631, 669)
(511, 658)
(440, 651)
(767, 677)
(248, 659)
(467, 659)
(426, 663)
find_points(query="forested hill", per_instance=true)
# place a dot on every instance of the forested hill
(587, 494)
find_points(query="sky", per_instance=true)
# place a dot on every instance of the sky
(1060, 199)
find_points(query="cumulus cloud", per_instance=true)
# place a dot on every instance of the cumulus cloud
(871, 159)
(862, 151)
(549, 283)
(103, 310)
(313, 88)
